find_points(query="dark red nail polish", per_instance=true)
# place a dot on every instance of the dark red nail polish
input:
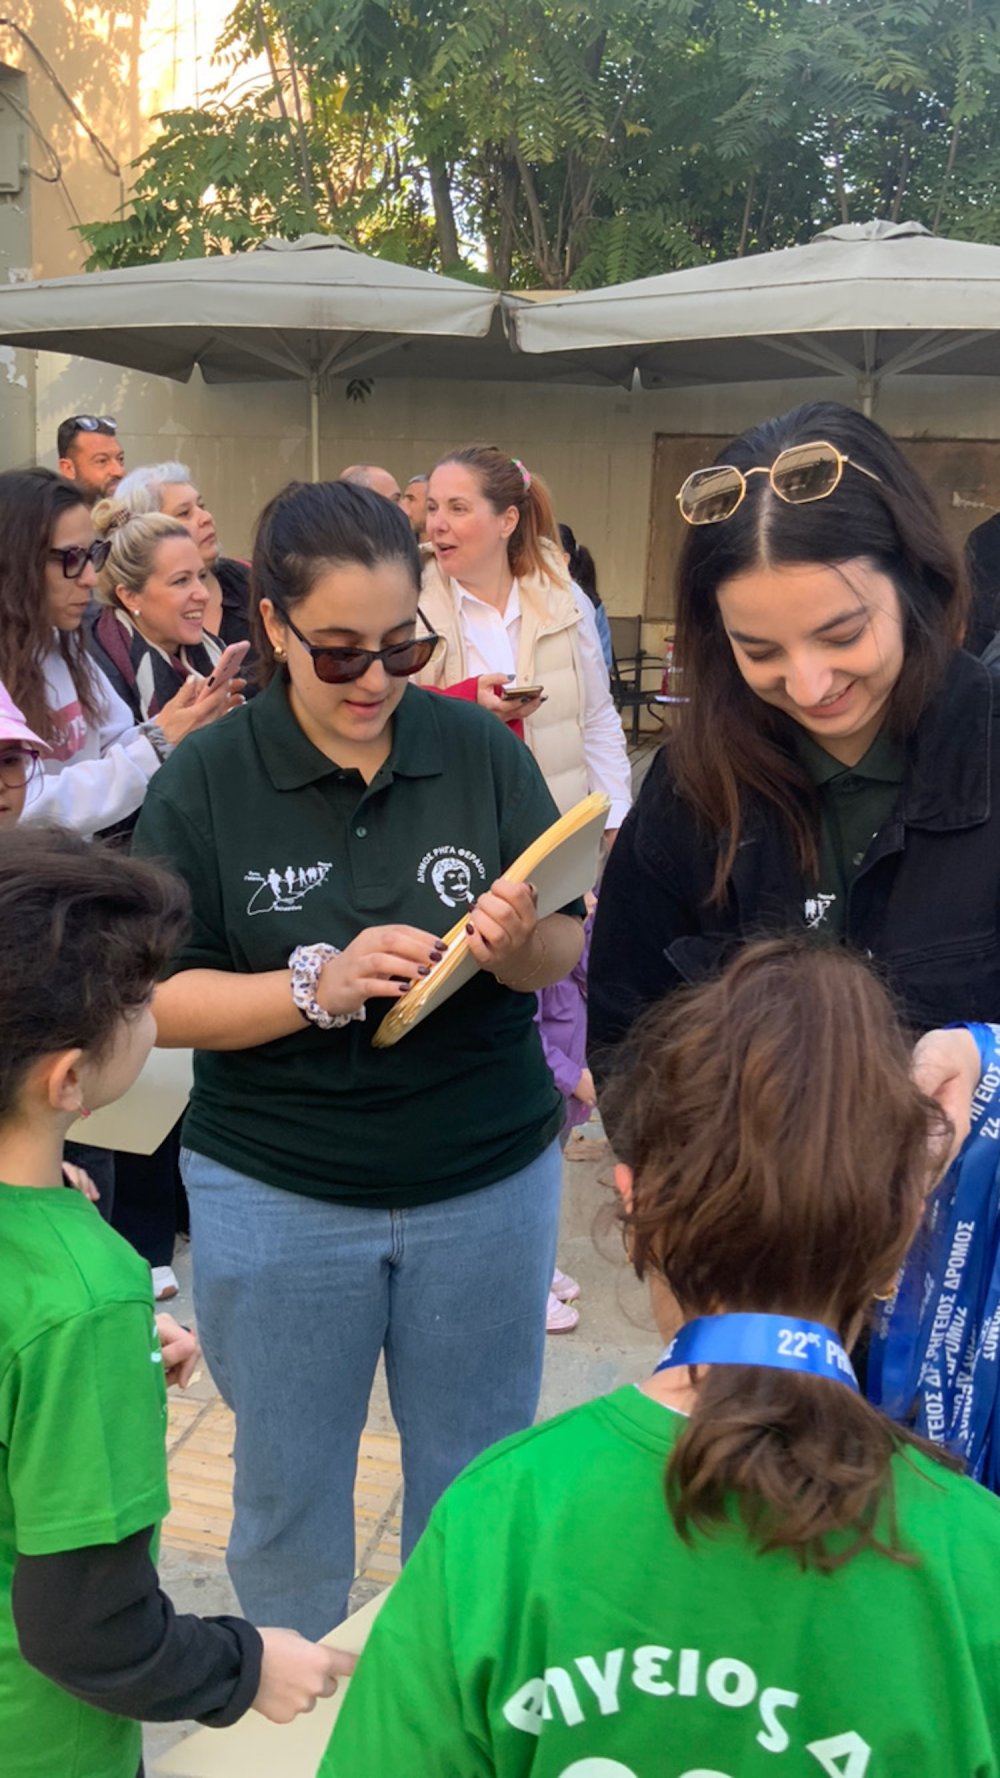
(425, 969)
(469, 927)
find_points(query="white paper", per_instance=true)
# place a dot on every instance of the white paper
(138, 1122)
(256, 1748)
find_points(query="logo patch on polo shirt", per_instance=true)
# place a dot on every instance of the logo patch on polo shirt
(282, 891)
(450, 870)
(816, 909)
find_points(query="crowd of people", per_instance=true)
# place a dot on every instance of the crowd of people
(231, 825)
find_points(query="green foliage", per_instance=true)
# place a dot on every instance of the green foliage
(529, 142)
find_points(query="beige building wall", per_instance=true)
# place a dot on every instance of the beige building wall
(97, 75)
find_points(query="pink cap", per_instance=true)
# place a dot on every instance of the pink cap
(13, 726)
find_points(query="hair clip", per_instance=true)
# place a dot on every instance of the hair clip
(525, 473)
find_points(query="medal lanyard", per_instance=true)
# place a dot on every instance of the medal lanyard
(774, 1342)
(937, 1338)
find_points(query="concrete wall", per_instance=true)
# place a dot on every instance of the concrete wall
(593, 446)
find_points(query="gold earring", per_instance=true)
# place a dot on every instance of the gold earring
(280, 655)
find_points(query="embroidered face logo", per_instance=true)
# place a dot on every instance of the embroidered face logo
(453, 881)
(455, 874)
(282, 891)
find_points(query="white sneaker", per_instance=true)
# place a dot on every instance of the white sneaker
(564, 1287)
(560, 1317)
(165, 1283)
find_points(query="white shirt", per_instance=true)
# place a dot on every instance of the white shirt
(491, 642)
(94, 776)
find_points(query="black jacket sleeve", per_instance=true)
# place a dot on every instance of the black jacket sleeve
(95, 1622)
(642, 912)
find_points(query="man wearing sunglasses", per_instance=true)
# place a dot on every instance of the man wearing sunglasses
(90, 455)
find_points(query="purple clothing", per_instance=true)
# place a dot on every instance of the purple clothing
(561, 1018)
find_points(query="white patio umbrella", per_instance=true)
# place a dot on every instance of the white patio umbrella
(865, 301)
(305, 310)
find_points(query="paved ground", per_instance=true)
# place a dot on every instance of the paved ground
(614, 1343)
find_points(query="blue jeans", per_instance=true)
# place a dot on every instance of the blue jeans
(295, 1299)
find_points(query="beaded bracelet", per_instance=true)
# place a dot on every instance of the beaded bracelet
(306, 964)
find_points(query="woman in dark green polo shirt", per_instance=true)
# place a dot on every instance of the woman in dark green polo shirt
(346, 1201)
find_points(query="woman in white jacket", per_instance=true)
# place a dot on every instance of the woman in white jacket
(497, 590)
(47, 575)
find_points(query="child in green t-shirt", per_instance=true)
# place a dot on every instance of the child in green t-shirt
(739, 1568)
(88, 1642)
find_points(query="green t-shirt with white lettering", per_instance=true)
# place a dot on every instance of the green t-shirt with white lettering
(551, 1622)
(82, 1456)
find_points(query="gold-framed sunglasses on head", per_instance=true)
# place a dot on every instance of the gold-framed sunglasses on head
(799, 475)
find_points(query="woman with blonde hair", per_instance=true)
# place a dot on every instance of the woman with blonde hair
(496, 588)
(150, 635)
(170, 488)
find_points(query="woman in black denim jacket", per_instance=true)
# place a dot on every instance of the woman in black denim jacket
(837, 769)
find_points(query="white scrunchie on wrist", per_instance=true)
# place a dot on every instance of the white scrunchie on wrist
(306, 964)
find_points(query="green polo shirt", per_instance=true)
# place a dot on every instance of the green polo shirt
(854, 802)
(281, 847)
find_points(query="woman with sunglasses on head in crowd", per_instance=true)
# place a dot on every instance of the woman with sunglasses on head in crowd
(837, 768)
(740, 1559)
(169, 488)
(346, 1201)
(496, 588)
(100, 760)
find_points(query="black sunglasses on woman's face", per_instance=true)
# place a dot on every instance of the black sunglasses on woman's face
(74, 560)
(338, 666)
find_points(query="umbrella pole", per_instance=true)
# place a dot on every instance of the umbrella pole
(314, 429)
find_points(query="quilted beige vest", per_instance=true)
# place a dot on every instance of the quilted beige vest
(548, 654)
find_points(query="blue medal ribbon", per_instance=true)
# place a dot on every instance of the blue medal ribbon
(776, 1342)
(935, 1357)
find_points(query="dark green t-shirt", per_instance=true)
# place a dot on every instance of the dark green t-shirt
(854, 802)
(82, 1455)
(281, 847)
(552, 1624)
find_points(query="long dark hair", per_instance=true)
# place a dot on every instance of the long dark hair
(729, 745)
(84, 933)
(781, 1154)
(31, 503)
(310, 527)
(582, 567)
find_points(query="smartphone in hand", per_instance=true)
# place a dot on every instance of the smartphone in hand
(520, 694)
(226, 667)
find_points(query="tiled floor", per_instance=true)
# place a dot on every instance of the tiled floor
(200, 1462)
